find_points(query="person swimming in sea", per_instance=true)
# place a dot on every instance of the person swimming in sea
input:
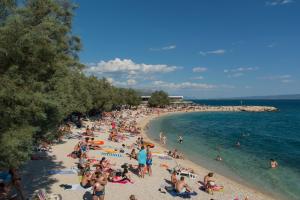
(219, 158)
(273, 163)
(180, 139)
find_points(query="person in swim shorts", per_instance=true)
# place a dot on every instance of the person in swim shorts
(142, 158)
(99, 187)
(149, 161)
(181, 186)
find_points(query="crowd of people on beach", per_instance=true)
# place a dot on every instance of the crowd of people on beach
(106, 172)
(97, 173)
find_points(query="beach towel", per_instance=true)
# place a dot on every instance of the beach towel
(62, 172)
(112, 155)
(184, 195)
(75, 187)
(122, 182)
(164, 157)
(110, 150)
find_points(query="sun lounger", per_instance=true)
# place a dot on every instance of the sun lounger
(187, 174)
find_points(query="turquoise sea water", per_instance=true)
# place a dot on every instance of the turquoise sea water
(262, 136)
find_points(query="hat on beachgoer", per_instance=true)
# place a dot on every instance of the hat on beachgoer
(132, 197)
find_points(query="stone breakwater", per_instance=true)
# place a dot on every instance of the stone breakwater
(237, 108)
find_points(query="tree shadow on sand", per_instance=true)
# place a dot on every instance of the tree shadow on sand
(36, 176)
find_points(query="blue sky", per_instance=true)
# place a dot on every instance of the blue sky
(203, 49)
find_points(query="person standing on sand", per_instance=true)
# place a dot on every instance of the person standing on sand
(149, 160)
(142, 158)
(99, 187)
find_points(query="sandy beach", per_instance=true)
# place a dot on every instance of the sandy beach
(36, 174)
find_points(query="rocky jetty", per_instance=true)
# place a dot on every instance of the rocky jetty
(238, 108)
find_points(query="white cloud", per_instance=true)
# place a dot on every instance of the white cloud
(227, 86)
(166, 48)
(286, 78)
(277, 77)
(241, 69)
(131, 82)
(197, 78)
(127, 83)
(199, 69)
(278, 2)
(235, 75)
(183, 85)
(215, 52)
(271, 45)
(127, 66)
(238, 72)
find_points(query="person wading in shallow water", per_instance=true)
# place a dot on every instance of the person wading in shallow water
(180, 139)
(164, 139)
(273, 163)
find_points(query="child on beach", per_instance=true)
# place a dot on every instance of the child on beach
(149, 161)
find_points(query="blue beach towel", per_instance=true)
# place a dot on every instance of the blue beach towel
(66, 172)
(184, 195)
(112, 154)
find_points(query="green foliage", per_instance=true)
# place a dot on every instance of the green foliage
(159, 99)
(17, 146)
(41, 78)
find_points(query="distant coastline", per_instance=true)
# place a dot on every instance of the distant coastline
(267, 97)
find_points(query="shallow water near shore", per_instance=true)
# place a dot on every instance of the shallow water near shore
(262, 136)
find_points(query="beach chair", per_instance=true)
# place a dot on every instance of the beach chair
(183, 172)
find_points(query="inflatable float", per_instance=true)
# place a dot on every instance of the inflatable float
(98, 142)
(149, 144)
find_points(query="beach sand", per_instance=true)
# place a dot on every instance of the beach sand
(36, 176)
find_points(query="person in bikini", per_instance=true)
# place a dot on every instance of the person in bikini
(99, 187)
(85, 180)
(149, 161)
(210, 185)
(133, 154)
(174, 178)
